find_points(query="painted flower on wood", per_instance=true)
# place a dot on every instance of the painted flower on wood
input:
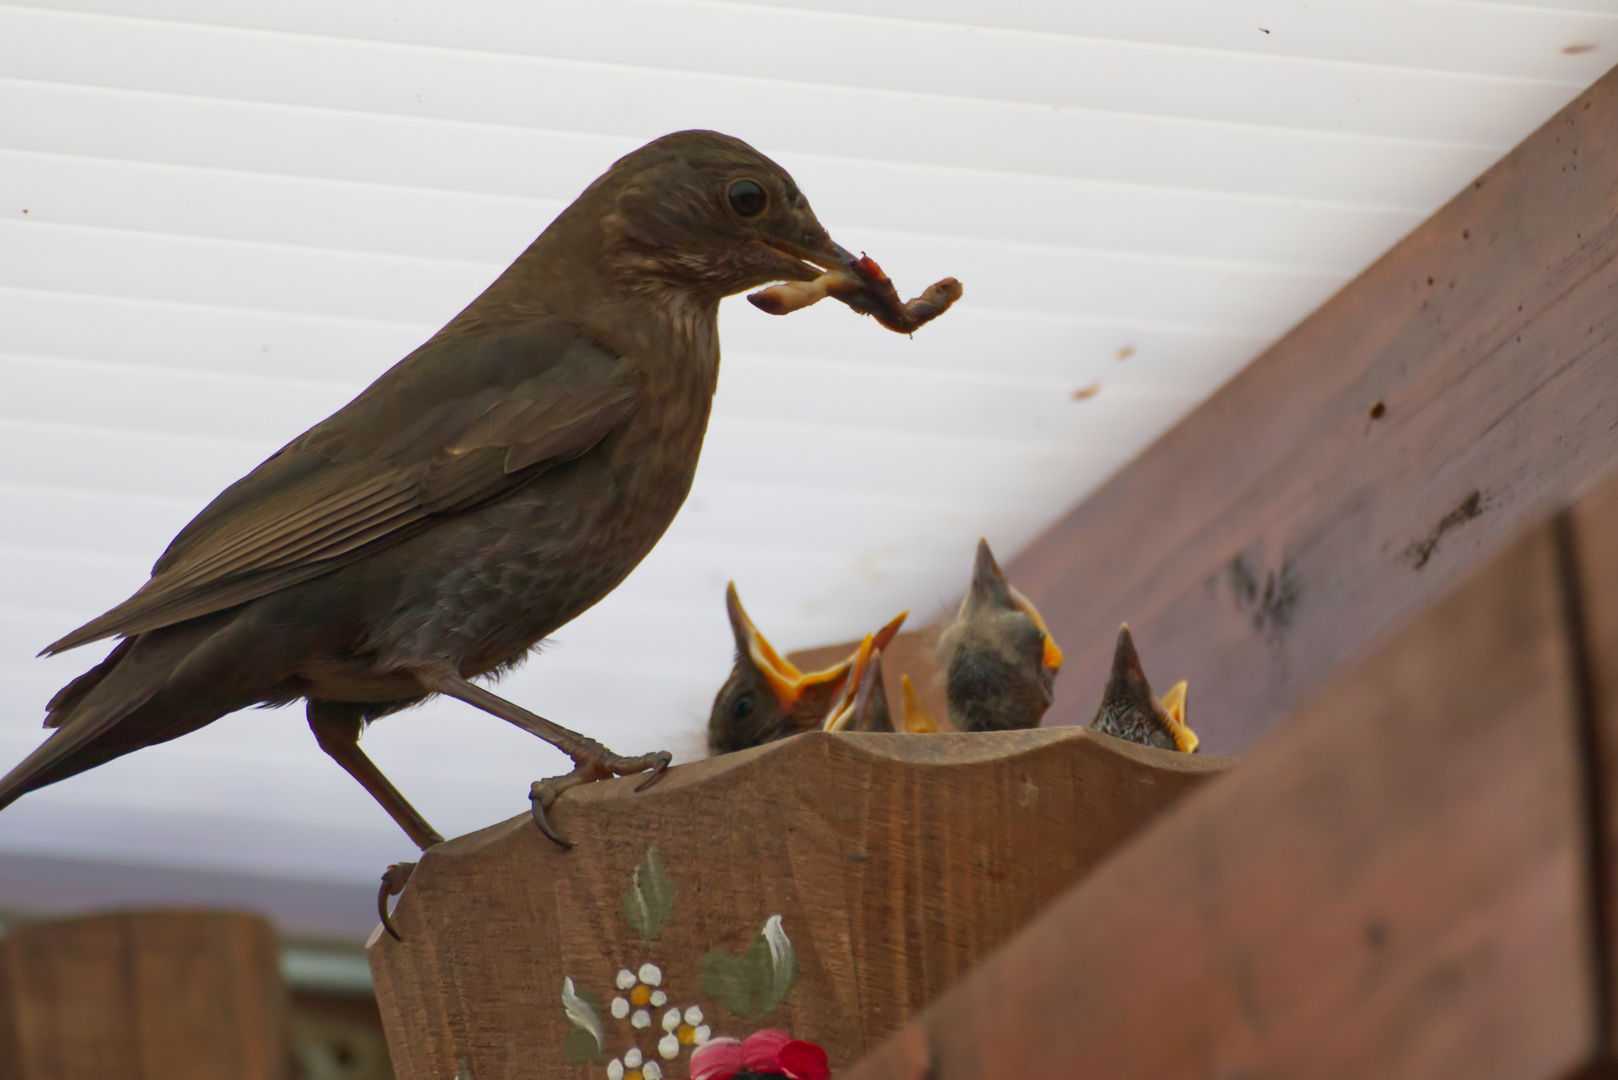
(764, 1055)
(750, 985)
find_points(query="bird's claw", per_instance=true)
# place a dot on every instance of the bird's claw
(394, 879)
(544, 793)
(540, 798)
(659, 767)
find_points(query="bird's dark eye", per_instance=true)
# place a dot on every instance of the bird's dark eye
(747, 198)
(744, 706)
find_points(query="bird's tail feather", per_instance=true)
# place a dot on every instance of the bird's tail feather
(146, 691)
(68, 697)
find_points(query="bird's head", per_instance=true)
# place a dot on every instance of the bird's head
(766, 697)
(996, 604)
(1129, 709)
(707, 213)
(998, 658)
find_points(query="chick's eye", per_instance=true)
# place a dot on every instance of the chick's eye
(747, 198)
(744, 706)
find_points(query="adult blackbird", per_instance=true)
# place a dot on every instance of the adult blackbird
(766, 697)
(487, 489)
(998, 661)
(1129, 710)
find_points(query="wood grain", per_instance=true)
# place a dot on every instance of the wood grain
(1393, 887)
(149, 995)
(1280, 527)
(895, 861)
(1594, 540)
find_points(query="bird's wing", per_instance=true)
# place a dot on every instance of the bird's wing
(458, 423)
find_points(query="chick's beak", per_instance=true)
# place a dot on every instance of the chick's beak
(988, 583)
(843, 708)
(917, 719)
(1053, 652)
(1174, 706)
(784, 679)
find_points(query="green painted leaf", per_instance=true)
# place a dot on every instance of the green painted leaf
(649, 900)
(729, 980)
(583, 1010)
(464, 1072)
(756, 983)
(581, 1049)
(776, 963)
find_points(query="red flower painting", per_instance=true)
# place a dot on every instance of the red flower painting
(763, 1055)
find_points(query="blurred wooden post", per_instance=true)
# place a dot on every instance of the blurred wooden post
(148, 995)
(829, 884)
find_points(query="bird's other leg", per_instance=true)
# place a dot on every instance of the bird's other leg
(337, 725)
(592, 760)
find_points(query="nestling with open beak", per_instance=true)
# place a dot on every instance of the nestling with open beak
(489, 488)
(863, 703)
(999, 661)
(766, 697)
(1128, 709)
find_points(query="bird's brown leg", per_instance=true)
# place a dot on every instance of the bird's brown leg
(594, 761)
(336, 725)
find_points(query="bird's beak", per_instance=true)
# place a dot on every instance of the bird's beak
(884, 637)
(1053, 652)
(784, 679)
(917, 720)
(988, 583)
(843, 709)
(1174, 706)
(823, 256)
(1126, 667)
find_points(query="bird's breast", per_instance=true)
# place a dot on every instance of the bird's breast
(491, 583)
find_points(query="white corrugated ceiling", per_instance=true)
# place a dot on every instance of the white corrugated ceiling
(220, 221)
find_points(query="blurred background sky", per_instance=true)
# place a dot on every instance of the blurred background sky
(218, 221)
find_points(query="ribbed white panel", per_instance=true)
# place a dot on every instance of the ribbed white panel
(218, 222)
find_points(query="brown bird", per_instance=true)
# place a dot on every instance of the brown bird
(487, 489)
(1128, 709)
(998, 660)
(768, 698)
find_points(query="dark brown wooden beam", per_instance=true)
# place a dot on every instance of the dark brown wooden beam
(1459, 388)
(1396, 884)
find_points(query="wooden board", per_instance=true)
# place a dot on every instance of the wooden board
(148, 995)
(1394, 886)
(1458, 390)
(1593, 539)
(894, 863)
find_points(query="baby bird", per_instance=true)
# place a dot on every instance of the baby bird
(1129, 711)
(998, 660)
(863, 703)
(768, 698)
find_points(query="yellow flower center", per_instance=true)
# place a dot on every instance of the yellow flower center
(632, 1074)
(641, 995)
(687, 1034)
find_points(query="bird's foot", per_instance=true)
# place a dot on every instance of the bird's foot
(603, 766)
(394, 879)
